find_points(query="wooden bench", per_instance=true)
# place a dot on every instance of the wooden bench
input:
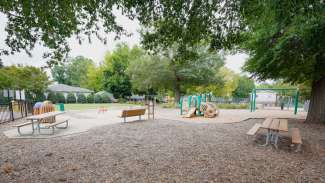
(296, 138)
(52, 125)
(254, 129)
(132, 112)
(24, 124)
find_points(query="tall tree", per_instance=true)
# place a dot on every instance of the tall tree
(52, 23)
(287, 42)
(73, 72)
(245, 86)
(115, 64)
(77, 69)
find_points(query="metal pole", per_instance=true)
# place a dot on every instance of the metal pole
(296, 102)
(254, 100)
(181, 104)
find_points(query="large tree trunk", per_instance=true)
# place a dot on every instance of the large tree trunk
(177, 90)
(316, 111)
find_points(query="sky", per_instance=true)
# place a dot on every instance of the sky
(96, 50)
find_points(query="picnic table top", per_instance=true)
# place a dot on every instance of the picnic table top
(275, 124)
(44, 115)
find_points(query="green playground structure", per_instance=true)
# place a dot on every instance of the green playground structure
(282, 91)
(194, 101)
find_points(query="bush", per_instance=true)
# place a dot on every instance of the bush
(105, 98)
(51, 97)
(60, 97)
(98, 99)
(71, 98)
(81, 98)
(90, 98)
(121, 100)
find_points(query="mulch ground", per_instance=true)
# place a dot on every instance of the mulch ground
(164, 151)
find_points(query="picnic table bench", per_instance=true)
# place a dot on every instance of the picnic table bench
(132, 112)
(274, 127)
(37, 120)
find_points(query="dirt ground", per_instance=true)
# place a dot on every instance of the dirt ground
(164, 151)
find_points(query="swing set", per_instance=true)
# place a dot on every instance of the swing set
(285, 92)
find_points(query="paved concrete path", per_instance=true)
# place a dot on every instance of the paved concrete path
(83, 120)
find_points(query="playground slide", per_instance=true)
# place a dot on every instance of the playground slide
(190, 113)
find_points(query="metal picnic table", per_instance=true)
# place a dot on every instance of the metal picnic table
(274, 127)
(40, 117)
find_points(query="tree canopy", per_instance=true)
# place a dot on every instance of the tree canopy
(73, 72)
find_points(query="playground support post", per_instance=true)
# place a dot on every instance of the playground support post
(296, 101)
(181, 104)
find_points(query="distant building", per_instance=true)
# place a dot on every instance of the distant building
(66, 89)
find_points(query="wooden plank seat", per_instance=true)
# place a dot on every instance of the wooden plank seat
(132, 112)
(254, 129)
(18, 126)
(54, 125)
(296, 138)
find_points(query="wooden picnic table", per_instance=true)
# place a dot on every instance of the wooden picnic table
(274, 127)
(39, 118)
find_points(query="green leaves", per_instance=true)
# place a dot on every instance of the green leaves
(286, 41)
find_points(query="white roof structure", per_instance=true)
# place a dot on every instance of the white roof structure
(67, 88)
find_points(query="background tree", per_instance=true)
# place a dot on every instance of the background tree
(115, 64)
(244, 87)
(150, 73)
(27, 78)
(77, 69)
(59, 73)
(95, 78)
(73, 72)
(287, 42)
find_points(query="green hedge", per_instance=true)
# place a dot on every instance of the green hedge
(90, 98)
(60, 97)
(81, 98)
(98, 99)
(71, 98)
(51, 97)
(232, 106)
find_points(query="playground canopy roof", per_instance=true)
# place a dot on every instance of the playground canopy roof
(67, 88)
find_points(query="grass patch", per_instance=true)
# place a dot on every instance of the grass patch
(232, 106)
(94, 106)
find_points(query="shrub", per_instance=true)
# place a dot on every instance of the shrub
(71, 98)
(81, 98)
(90, 98)
(106, 98)
(98, 99)
(60, 97)
(51, 97)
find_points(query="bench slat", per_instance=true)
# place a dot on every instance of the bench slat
(23, 124)
(55, 123)
(283, 125)
(254, 129)
(275, 124)
(266, 123)
(133, 112)
(296, 138)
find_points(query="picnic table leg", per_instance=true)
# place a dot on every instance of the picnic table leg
(276, 140)
(139, 117)
(268, 135)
